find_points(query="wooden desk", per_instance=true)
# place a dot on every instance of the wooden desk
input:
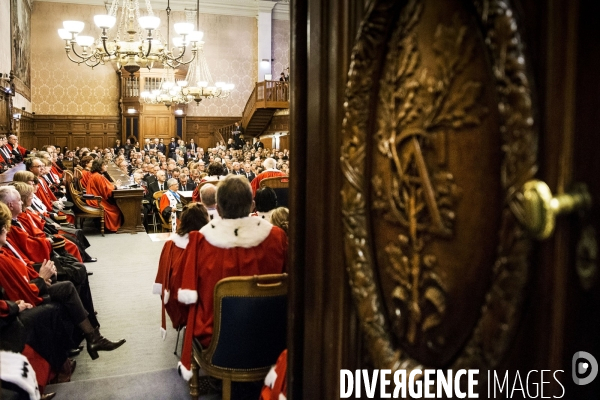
(7, 177)
(129, 202)
(186, 196)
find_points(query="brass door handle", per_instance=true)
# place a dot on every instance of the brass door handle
(541, 208)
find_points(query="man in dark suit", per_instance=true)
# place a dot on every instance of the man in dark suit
(248, 172)
(192, 146)
(159, 184)
(237, 170)
(161, 146)
(258, 144)
(172, 147)
(185, 184)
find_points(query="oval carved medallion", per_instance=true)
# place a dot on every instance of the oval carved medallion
(438, 139)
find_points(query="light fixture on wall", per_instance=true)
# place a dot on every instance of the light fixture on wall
(134, 45)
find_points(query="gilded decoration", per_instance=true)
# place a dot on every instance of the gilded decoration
(407, 100)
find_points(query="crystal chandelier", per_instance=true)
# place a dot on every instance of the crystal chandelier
(169, 91)
(134, 44)
(198, 84)
(198, 81)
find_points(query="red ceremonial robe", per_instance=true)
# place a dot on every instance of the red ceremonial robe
(36, 249)
(98, 185)
(15, 277)
(275, 387)
(269, 173)
(34, 225)
(85, 177)
(45, 194)
(169, 276)
(223, 248)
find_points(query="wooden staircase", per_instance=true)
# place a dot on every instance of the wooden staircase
(266, 98)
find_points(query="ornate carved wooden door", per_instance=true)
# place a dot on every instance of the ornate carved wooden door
(440, 114)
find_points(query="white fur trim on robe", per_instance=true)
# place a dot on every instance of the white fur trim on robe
(157, 288)
(187, 296)
(240, 232)
(180, 241)
(183, 371)
(173, 204)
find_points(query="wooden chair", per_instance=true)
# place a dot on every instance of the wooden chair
(165, 226)
(81, 209)
(249, 331)
(280, 184)
(68, 165)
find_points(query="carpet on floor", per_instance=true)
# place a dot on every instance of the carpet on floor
(158, 385)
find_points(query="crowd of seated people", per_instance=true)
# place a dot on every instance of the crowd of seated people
(39, 237)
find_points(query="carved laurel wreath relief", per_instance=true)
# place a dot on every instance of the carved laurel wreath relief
(438, 139)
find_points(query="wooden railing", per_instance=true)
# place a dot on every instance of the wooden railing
(267, 94)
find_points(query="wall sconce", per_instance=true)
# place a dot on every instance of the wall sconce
(265, 63)
(131, 110)
(179, 112)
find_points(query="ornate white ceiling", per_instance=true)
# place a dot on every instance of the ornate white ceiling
(246, 8)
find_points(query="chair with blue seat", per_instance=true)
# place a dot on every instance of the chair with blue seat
(249, 331)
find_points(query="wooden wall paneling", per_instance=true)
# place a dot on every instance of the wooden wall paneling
(97, 141)
(78, 141)
(165, 126)
(202, 129)
(149, 126)
(284, 142)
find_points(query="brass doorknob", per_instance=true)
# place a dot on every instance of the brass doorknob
(541, 208)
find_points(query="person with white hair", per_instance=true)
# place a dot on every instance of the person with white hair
(170, 202)
(270, 171)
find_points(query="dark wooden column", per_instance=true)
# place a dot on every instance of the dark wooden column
(323, 335)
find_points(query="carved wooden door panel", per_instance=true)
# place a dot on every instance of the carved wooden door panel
(433, 182)
(441, 124)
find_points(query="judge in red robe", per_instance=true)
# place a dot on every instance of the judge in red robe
(98, 185)
(86, 164)
(236, 245)
(269, 172)
(169, 274)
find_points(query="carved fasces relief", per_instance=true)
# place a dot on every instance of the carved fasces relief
(427, 200)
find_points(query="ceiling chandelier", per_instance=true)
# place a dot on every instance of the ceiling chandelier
(169, 91)
(134, 44)
(198, 83)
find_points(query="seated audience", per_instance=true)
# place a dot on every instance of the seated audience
(45, 220)
(265, 201)
(235, 245)
(193, 217)
(39, 288)
(269, 172)
(170, 202)
(98, 185)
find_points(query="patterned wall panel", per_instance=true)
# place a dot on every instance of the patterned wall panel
(281, 46)
(59, 86)
(231, 51)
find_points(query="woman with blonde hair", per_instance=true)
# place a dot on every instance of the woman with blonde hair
(280, 217)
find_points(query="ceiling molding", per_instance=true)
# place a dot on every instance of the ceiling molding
(241, 8)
